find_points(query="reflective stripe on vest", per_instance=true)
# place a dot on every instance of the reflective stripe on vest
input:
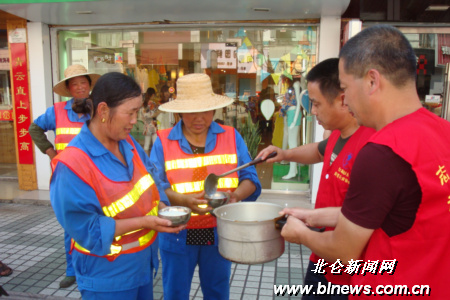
(186, 172)
(61, 146)
(202, 161)
(116, 249)
(129, 199)
(65, 130)
(198, 186)
(118, 199)
(73, 131)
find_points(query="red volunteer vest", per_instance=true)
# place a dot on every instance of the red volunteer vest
(65, 130)
(335, 180)
(186, 172)
(422, 253)
(119, 200)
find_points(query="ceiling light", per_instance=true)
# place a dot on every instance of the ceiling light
(261, 9)
(437, 7)
(84, 12)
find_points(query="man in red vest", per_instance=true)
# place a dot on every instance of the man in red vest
(66, 121)
(391, 228)
(337, 153)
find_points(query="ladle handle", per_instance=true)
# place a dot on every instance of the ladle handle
(259, 160)
(253, 162)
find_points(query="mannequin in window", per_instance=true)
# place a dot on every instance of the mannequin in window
(290, 110)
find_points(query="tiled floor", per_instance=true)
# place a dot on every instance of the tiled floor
(31, 243)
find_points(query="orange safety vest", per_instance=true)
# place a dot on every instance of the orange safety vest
(119, 200)
(186, 172)
(65, 130)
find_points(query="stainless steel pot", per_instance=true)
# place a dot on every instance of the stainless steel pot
(247, 232)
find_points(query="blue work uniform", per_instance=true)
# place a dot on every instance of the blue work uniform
(78, 210)
(178, 259)
(47, 121)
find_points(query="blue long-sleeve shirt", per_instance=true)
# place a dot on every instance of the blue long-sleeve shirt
(79, 212)
(47, 120)
(157, 156)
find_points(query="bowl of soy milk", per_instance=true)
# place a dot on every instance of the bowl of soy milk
(178, 215)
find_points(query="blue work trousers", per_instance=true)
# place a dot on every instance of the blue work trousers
(141, 293)
(178, 270)
(69, 266)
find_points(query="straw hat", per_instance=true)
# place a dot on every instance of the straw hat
(195, 94)
(71, 72)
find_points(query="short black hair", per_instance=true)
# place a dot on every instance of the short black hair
(326, 73)
(384, 48)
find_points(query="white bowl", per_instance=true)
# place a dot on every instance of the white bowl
(178, 215)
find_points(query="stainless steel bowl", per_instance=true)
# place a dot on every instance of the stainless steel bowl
(217, 199)
(179, 215)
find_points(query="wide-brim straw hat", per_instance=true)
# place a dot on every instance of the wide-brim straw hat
(73, 71)
(195, 94)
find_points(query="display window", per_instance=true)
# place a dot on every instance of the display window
(432, 49)
(256, 66)
(5, 86)
(7, 150)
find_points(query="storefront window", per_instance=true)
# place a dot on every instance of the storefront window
(432, 51)
(256, 66)
(5, 95)
(7, 143)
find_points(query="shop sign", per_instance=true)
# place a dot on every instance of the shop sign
(218, 55)
(21, 94)
(6, 115)
(18, 35)
(443, 49)
(4, 59)
(432, 99)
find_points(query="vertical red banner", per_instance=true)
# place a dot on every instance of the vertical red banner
(21, 94)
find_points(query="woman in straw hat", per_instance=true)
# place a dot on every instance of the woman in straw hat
(184, 155)
(65, 120)
(77, 83)
(103, 193)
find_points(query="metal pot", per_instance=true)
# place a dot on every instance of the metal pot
(247, 232)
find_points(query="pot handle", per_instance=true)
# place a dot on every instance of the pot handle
(281, 221)
(318, 229)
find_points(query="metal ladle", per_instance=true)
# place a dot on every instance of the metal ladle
(212, 180)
